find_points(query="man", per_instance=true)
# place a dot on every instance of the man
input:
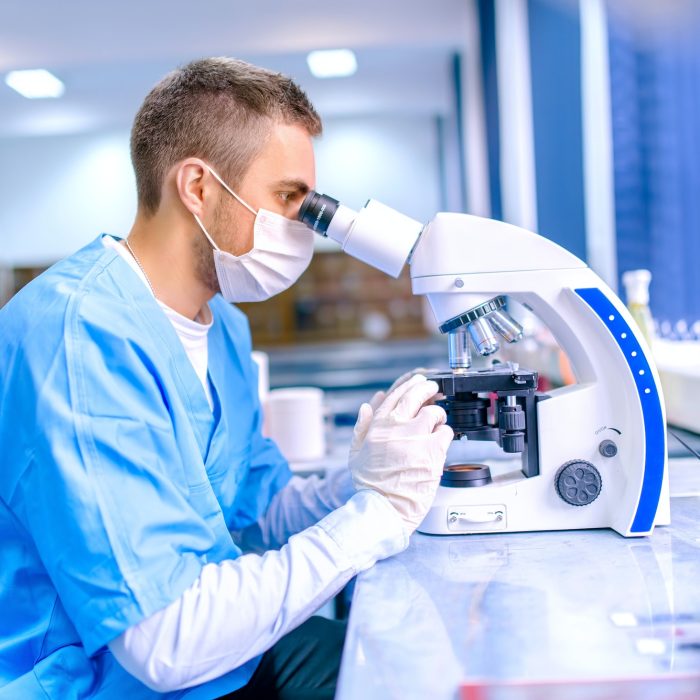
(134, 474)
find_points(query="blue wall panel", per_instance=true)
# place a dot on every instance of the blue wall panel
(655, 90)
(487, 29)
(555, 50)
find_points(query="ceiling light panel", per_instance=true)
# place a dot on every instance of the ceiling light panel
(335, 63)
(35, 84)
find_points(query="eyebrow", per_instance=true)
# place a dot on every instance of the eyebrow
(295, 185)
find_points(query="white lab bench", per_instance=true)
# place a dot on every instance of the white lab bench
(515, 608)
(498, 609)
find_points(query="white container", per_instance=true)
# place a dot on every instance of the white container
(262, 360)
(678, 362)
(295, 421)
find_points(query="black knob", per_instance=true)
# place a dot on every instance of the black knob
(513, 442)
(578, 482)
(466, 475)
(607, 448)
(511, 418)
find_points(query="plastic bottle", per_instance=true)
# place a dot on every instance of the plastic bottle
(637, 291)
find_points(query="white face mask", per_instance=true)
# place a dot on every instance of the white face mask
(281, 251)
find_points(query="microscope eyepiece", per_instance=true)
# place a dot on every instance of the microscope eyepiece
(376, 234)
(317, 210)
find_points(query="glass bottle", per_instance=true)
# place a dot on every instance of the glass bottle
(636, 284)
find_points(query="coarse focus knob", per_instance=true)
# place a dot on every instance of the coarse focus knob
(578, 482)
(511, 418)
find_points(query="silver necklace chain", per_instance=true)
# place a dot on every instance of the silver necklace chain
(138, 262)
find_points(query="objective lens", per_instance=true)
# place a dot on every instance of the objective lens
(506, 325)
(483, 337)
(458, 346)
(317, 210)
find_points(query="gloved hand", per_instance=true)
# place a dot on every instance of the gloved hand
(399, 449)
(377, 399)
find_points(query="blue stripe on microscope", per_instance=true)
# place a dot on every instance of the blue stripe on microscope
(654, 429)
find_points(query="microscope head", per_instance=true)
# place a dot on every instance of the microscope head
(384, 238)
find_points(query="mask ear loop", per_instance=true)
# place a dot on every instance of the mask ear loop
(231, 192)
(204, 231)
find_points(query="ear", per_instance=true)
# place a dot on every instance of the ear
(193, 184)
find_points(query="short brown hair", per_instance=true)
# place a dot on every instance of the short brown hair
(217, 109)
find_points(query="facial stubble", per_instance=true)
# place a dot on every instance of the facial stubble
(222, 229)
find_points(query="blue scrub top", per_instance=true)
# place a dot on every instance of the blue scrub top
(117, 481)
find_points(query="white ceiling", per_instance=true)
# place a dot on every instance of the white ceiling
(109, 52)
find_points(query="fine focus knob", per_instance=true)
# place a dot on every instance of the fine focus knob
(607, 448)
(513, 442)
(578, 482)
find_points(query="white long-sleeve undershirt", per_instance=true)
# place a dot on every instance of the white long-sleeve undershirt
(239, 608)
(301, 503)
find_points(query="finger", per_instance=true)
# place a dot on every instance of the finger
(403, 378)
(393, 397)
(431, 417)
(412, 401)
(376, 401)
(438, 397)
(407, 375)
(364, 420)
(443, 436)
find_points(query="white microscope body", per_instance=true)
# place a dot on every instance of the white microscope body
(605, 433)
(617, 396)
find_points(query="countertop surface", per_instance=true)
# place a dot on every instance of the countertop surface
(530, 607)
(511, 608)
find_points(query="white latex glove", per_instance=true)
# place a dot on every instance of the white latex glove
(377, 399)
(399, 449)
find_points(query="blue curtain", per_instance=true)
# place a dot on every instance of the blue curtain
(655, 90)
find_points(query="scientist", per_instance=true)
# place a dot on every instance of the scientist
(134, 475)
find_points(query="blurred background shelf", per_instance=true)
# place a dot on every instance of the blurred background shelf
(338, 298)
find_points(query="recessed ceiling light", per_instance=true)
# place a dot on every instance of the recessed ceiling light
(35, 83)
(335, 63)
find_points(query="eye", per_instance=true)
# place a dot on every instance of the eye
(285, 196)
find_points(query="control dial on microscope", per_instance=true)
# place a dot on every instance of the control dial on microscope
(578, 482)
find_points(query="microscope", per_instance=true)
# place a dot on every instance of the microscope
(588, 455)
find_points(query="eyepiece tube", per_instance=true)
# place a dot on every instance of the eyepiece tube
(376, 234)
